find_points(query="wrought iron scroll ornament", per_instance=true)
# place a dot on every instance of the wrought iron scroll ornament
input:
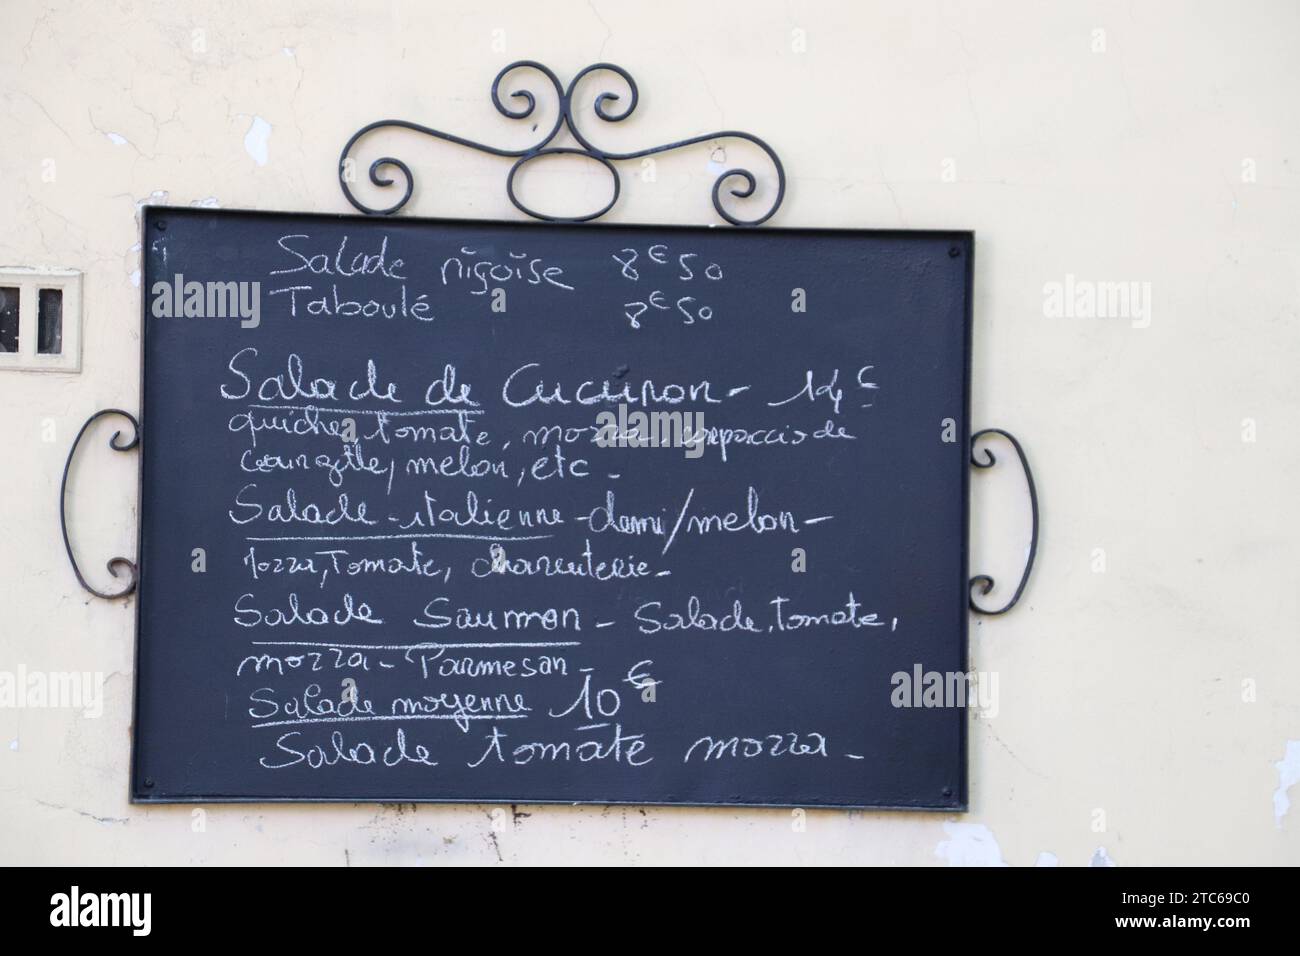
(586, 149)
(114, 564)
(983, 581)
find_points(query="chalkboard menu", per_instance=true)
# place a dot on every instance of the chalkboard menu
(506, 512)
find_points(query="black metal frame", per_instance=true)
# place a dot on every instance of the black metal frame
(984, 583)
(586, 149)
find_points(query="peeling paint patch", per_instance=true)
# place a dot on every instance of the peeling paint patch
(969, 844)
(1100, 858)
(134, 274)
(1047, 859)
(207, 202)
(156, 198)
(717, 163)
(116, 139)
(1288, 775)
(13, 744)
(257, 141)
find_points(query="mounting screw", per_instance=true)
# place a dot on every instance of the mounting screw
(954, 252)
(947, 791)
(161, 225)
(148, 782)
(622, 370)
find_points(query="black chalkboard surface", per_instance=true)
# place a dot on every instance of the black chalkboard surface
(404, 536)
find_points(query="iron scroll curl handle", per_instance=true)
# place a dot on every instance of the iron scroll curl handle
(115, 565)
(983, 582)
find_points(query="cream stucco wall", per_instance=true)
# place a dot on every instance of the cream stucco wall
(1164, 151)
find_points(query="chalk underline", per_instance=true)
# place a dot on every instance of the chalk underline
(371, 411)
(422, 646)
(369, 717)
(404, 537)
